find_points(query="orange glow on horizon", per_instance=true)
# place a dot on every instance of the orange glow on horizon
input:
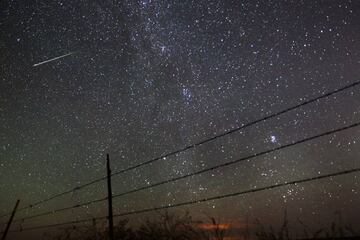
(227, 225)
(210, 226)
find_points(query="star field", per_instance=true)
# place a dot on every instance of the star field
(148, 77)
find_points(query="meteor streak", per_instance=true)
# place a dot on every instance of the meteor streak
(53, 59)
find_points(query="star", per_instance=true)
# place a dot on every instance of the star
(273, 139)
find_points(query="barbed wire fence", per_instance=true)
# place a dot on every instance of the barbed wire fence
(171, 180)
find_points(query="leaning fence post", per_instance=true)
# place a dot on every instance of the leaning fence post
(10, 220)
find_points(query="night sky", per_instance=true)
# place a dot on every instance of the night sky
(143, 78)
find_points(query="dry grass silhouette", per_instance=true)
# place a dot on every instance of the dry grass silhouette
(337, 230)
(174, 227)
